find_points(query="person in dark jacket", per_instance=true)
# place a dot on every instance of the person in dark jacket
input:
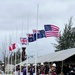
(24, 71)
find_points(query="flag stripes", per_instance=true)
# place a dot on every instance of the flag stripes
(52, 34)
(51, 31)
(54, 28)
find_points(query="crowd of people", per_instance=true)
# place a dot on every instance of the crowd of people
(40, 70)
(45, 70)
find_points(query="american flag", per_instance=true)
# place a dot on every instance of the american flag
(23, 40)
(51, 31)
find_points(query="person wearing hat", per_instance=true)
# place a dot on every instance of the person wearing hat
(52, 70)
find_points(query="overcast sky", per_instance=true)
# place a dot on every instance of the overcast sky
(14, 17)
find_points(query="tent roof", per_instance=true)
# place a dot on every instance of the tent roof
(58, 56)
(55, 56)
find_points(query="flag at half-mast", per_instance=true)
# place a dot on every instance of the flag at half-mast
(12, 47)
(35, 31)
(39, 33)
(23, 41)
(31, 37)
(51, 31)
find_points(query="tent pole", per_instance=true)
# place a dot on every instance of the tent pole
(62, 68)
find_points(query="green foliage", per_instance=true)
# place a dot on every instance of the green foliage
(13, 56)
(17, 57)
(0, 62)
(67, 38)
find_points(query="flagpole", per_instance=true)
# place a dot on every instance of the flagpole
(27, 42)
(5, 53)
(15, 52)
(22, 27)
(36, 41)
(9, 51)
(20, 59)
(8, 60)
(11, 62)
(21, 47)
(9, 54)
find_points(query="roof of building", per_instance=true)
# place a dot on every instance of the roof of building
(52, 57)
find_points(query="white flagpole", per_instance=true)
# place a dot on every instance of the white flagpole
(36, 41)
(21, 47)
(8, 60)
(16, 48)
(22, 27)
(9, 51)
(11, 62)
(27, 42)
(20, 60)
(5, 53)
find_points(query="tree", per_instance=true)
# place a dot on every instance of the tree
(17, 55)
(67, 38)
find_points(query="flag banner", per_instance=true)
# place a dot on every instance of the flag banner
(51, 31)
(13, 46)
(10, 48)
(24, 41)
(31, 38)
(35, 31)
(39, 33)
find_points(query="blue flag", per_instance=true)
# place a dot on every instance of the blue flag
(39, 34)
(31, 38)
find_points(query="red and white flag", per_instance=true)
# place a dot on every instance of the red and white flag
(51, 31)
(35, 31)
(12, 47)
(24, 40)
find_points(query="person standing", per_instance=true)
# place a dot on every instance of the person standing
(24, 71)
(52, 70)
(46, 69)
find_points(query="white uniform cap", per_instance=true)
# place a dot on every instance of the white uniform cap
(42, 64)
(54, 65)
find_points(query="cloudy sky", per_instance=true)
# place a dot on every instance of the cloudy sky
(14, 20)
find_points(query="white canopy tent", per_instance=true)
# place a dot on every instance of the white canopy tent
(57, 56)
(52, 57)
